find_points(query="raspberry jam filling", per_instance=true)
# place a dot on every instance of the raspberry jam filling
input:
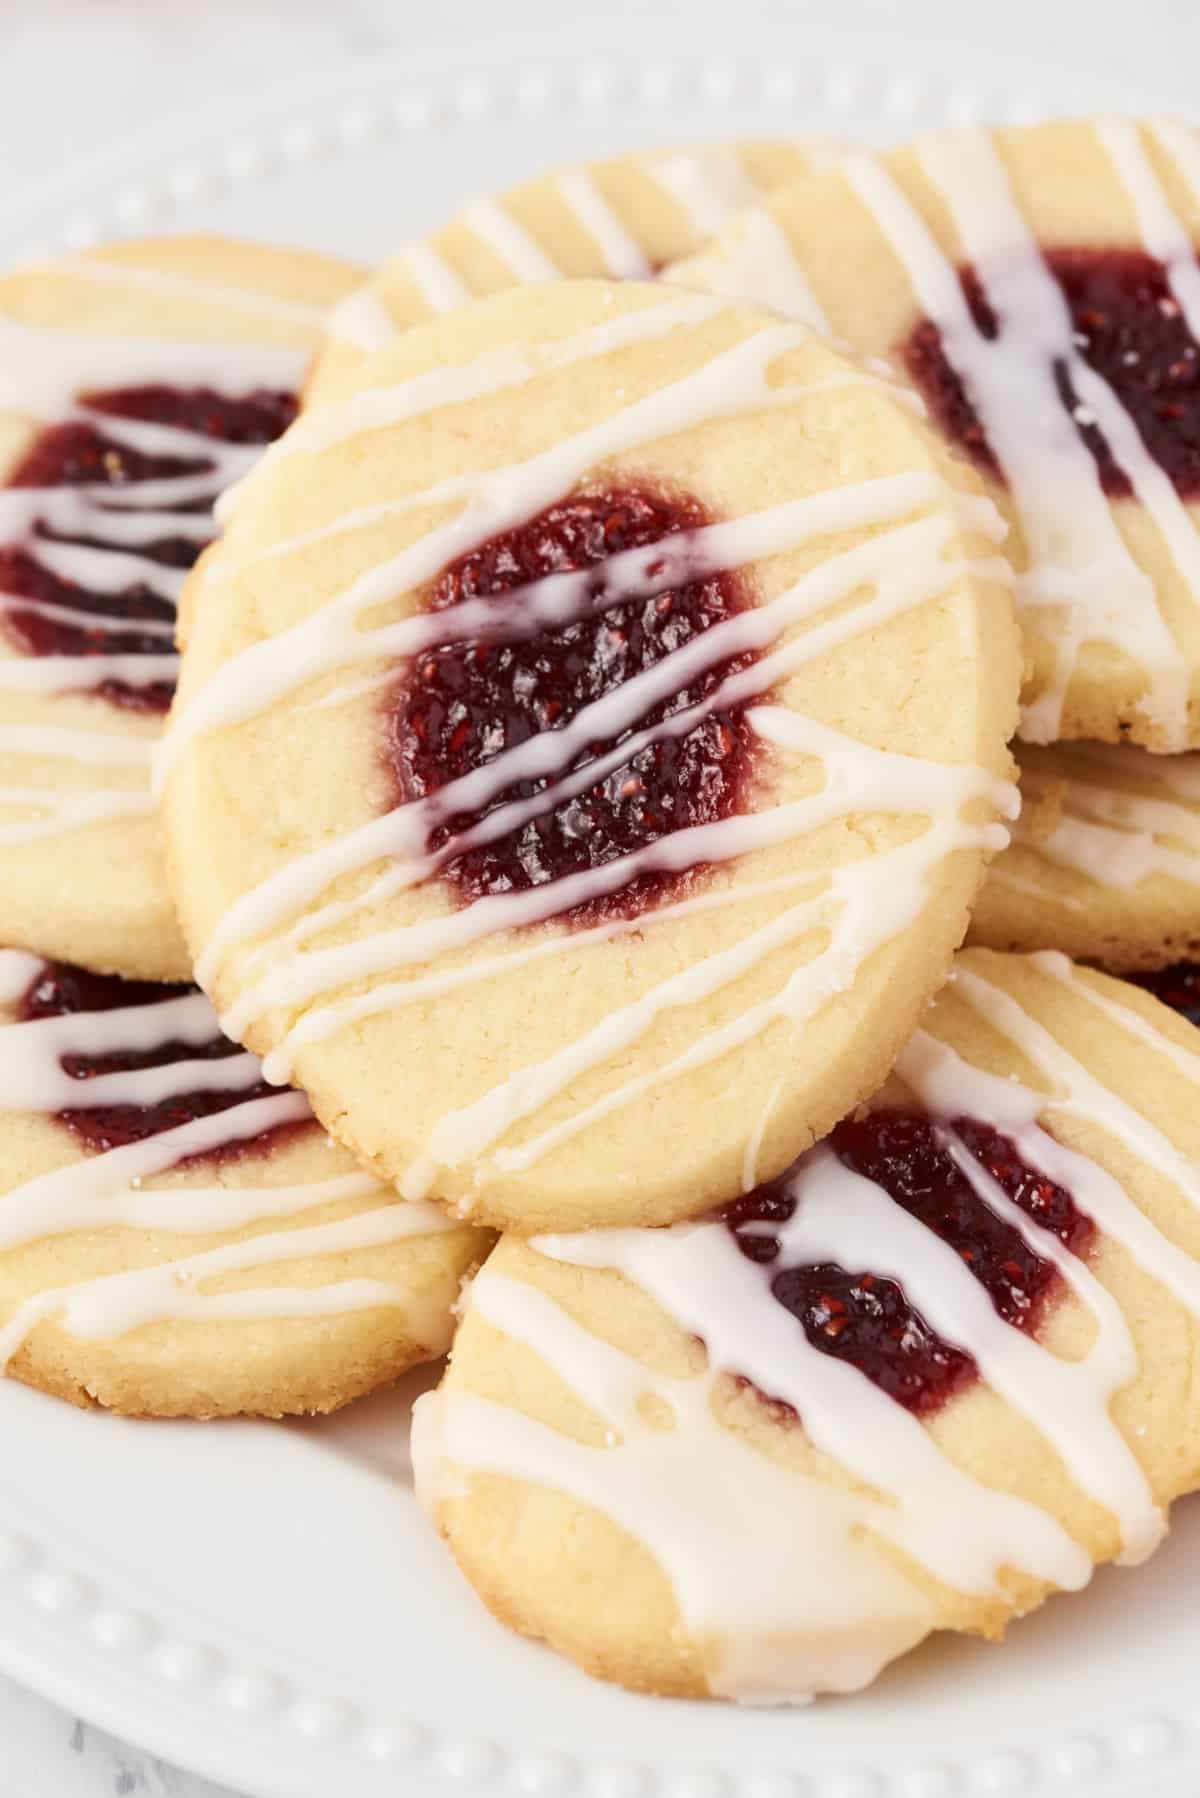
(62, 991)
(80, 453)
(859, 1316)
(457, 707)
(1177, 986)
(1128, 326)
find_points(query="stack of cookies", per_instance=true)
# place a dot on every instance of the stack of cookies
(594, 740)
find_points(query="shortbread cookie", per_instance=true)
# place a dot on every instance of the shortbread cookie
(1105, 859)
(179, 1239)
(938, 1370)
(135, 383)
(599, 713)
(624, 217)
(1040, 286)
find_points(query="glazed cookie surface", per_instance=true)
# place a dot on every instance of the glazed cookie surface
(179, 1239)
(611, 692)
(1104, 862)
(938, 1370)
(624, 217)
(1039, 286)
(135, 383)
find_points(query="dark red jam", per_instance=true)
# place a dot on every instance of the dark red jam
(1128, 326)
(80, 453)
(1177, 986)
(61, 990)
(857, 1315)
(458, 706)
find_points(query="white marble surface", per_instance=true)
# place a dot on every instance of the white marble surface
(78, 73)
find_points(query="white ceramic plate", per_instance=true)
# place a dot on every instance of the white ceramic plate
(265, 1604)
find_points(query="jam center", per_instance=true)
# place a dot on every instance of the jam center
(458, 706)
(74, 607)
(861, 1317)
(1128, 326)
(1177, 986)
(62, 991)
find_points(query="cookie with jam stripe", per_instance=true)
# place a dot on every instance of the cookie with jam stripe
(593, 722)
(624, 217)
(936, 1371)
(136, 382)
(1039, 287)
(178, 1238)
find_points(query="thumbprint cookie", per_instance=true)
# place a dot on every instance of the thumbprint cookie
(593, 721)
(1104, 862)
(136, 382)
(939, 1369)
(1040, 288)
(177, 1238)
(623, 218)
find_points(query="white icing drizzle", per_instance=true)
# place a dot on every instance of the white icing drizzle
(1079, 562)
(905, 564)
(959, 1530)
(380, 407)
(1068, 1401)
(57, 809)
(763, 264)
(754, 1141)
(1060, 968)
(962, 1532)
(186, 287)
(868, 909)
(794, 1610)
(18, 971)
(1163, 232)
(439, 286)
(105, 1190)
(117, 1304)
(74, 674)
(1077, 1093)
(100, 748)
(1112, 835)
(731, 384)
(361, 319)
(858, 777)
(709, 184)
(44, 374)
(70, 511)
(624, 257)
(556, 599)
(108, 571)
(521, 253)
(38, 608)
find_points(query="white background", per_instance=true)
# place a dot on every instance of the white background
(78, 74)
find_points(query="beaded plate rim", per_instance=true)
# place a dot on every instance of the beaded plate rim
(64, 1630)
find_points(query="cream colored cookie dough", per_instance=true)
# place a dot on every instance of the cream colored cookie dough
(520, 1070)
(272, 1277)
(82, 865)
(624, 217)
(1104, 862)
(608, 1458)
(1109, 581)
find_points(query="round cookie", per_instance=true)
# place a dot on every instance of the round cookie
(135, 383)
(623, 217)
(938, 1370)
(178, 1239)
(1104, 862)
(1039, 284)
(599, 712)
